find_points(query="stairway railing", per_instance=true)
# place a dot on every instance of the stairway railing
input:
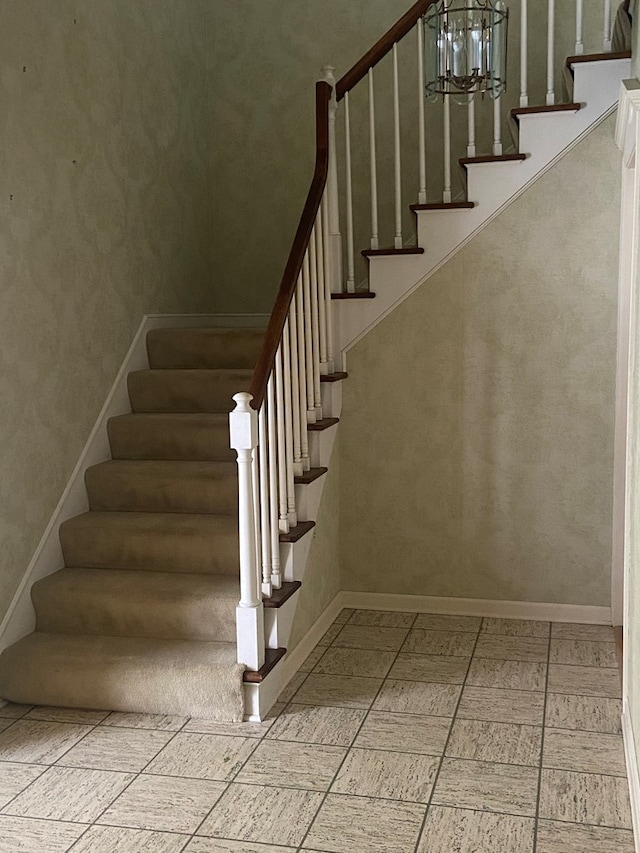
(268, 427)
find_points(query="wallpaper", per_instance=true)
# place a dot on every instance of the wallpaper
(105, 214)
(477, 426)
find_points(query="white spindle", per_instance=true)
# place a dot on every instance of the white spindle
(288, 426)
(373, 166)
(397, 241)
(579, 45)
(524, 56)
(255, 484)
(265, 531)
(307, 337)
(315, 325)
(332, 188)
(471, 127)
(446, 192)
(322, 305)
(283, 509)
(422, 145)
(551, 29)
(298, 470)
(351, 274)
(274, 527)
(497, 128)
(606, 42)
(302, 377)
(243, 427)
(327, 281)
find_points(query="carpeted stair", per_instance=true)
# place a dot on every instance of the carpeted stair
(142, 617)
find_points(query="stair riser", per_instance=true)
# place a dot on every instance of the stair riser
(187, 441)
(200, 348)
(183, 391)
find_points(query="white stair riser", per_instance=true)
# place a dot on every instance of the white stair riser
(278, 622)
(308, 499)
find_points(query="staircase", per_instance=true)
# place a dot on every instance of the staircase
(180, 583)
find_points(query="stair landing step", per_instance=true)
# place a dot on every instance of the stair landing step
(359, 294)
(279, 596)
(553, 108)
(491, 158)
(325, 423)
(297, 532)
(310, 476)
(271, 658)
(597, 57)
(391, 252)
(443, 205)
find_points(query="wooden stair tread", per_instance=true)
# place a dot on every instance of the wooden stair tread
(279, 596)
(310, 476)
(297, 532)
(359, 294)
(597, 57)
(325, 423)
(271, 658)
(391, 252)
(442, 205)
(336, 376)
(491, 158)
(554, 108)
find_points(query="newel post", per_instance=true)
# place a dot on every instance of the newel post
(243, 427)
(335, 239)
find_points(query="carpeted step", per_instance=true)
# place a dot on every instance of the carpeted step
(198, 348)
(171, 436)
(162, 542)
(117, 603)
(183, 677)
(164, 486)
(186, 390)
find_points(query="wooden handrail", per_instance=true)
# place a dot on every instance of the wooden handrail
(382, 47)
(280, 311)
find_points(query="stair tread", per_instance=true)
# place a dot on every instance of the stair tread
(336, 376)
(541, 110)
(492, 158)
(279, 596)
(324, 423)
(598, 57)
(310, 476)
(391, 252)
(208, 390)
(297, 532)
(359, 294)
(204, 347)
(272, 657)
(190, 436)
(444, 205)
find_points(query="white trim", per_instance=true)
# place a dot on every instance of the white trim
(633, 772)
(545, 611)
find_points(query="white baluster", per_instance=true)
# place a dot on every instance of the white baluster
(298, 470)
(606, 42)
(422, 145)
(283, 509)
(243, 429)
(524, 55)
(446, 192)
(255, 484)
(265, 532)
(288, 425)
(579, 45)
(551, 29)
(302, 377)
(308, 338)
(272, 437)
(332, 187)
(397, 240)
(322, 305)
(315, 326)
(471, 127)
(497, 128)
(373, 168)
(327, 282)
(351, 274)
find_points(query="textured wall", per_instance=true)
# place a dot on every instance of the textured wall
(477, 430)
(105, 214)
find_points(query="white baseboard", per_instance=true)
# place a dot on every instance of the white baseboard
(633, 772)
(547, 612)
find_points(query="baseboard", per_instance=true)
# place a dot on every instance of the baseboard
(548, 612)
(633, 772)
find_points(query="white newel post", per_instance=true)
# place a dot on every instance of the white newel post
(335, 237)
(243, 428)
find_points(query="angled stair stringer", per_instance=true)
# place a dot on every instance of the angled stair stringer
(544, 138)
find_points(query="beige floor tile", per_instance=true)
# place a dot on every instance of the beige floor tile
(292, 765)
(14, 778)
(584, 752)
(418, 697)
(5, 723)
(584, 653)
(26, 835)
(516, 627)
(340, 690)
(257, 813)
(572, 631)
(455, 643)
(371, 637)
(348, 824)
(484, 786)
(345, 614)
(585, 798)
(216, 727)
(115, 839)
(587, 713)
(449, 830)
(12, 711)
(507, 674)
(584, 680)
(364, 662)
(554, 837)
(164, 803)
(222, 845)
(317, 724)
(202, 756)
(444, 622)
(500, 647)
(66, 715)
(447, 670)
(330, 635)
(383, 618)
(488, 741)
(161, 722)
(37, 742)
(129, 750)
(508, 706)
(389, 775)
(312, 659)
(68, 793)
(404, 733)
(294, 684)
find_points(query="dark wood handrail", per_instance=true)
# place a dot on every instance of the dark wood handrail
(280, 311)
(382, 47)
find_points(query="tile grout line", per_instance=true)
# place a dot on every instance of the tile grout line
(544, 720)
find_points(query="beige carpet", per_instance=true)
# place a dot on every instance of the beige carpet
(142, 616)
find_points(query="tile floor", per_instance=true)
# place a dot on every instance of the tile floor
(401, 734)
